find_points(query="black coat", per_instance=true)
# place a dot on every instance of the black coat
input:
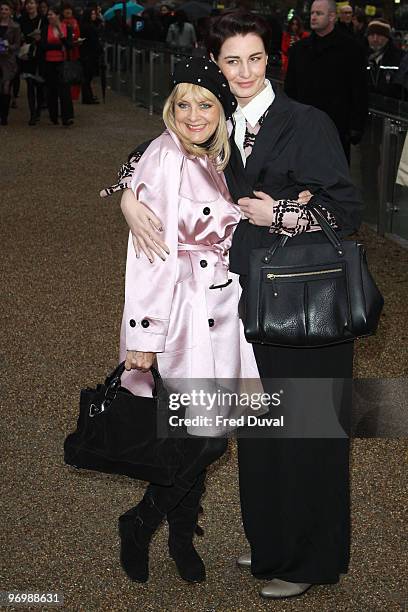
(297, 148)
(382, 81)
(330, 73)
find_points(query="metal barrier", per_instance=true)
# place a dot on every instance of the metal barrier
(142, 71)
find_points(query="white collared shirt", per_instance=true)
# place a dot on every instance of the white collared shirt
(251, 113)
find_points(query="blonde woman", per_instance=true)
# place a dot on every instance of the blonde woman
(183, 311)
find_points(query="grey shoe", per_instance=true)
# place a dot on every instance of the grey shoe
(244, 560)
(280, 589)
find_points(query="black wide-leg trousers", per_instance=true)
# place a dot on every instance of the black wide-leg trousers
(295, 491)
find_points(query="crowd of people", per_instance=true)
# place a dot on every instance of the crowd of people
(36, 43)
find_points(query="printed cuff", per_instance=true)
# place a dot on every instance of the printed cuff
(291, 218)
(125, 176)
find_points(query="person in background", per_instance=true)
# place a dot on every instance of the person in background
(91, 53)
(329, 71)
(384, 59)
(167, 18)
(345, 21)
(30, 24)
(56, 39)
(43, 7)
(294, 32)
(10, 40)
(360, 27)
(69, 19)
(17, 12)
(181, 33)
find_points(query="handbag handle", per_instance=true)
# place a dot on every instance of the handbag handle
(326, 229)
(113, 382)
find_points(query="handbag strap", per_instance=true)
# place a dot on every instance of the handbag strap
(326, 228)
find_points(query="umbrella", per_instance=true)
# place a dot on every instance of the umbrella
(196, 10)
(131, 9)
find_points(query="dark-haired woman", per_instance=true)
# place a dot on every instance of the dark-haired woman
(10, 37)
(56, 39)
(31, 64)
(294, 32)
(91, 52)
(181, 33)
(294, 491)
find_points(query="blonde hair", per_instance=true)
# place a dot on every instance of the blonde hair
(219, 150)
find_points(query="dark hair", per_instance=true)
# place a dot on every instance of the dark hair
(67, 5)
(300, 24)
(180, 19)
(236, 22)
(55, 8)
(86, 15)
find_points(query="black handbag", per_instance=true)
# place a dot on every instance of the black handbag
(120, 433)
(71, 72)
(310, 295)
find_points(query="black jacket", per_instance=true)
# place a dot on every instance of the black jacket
(297, 148)
(330, 73)
(382, 80)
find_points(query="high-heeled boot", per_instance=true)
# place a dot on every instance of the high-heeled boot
(182, 522)
(137, 526)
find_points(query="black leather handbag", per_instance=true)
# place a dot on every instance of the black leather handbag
(120, 433)
(310, 295)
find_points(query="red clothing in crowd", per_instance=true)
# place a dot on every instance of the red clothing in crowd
(53, 39)
(288, 39)
(74, 53)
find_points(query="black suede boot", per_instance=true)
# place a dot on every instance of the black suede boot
(136, 528)
(182, 526)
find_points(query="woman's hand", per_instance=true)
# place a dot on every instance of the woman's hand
(138, 360)
(259, 210)
(304, 197)
(145, 227)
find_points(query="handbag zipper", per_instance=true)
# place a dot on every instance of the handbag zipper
(271, 276)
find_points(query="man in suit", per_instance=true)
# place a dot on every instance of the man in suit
(328, 71)
(294, 492)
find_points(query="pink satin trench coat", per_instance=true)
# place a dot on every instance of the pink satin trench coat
(170, 308)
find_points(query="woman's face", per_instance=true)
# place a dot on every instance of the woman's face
(93, 15)
(5, 11)
(164, 10)
(243, 61)
(196, 118)
(67, 13)
(52, 17)
(294, 26)
(31, 6)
